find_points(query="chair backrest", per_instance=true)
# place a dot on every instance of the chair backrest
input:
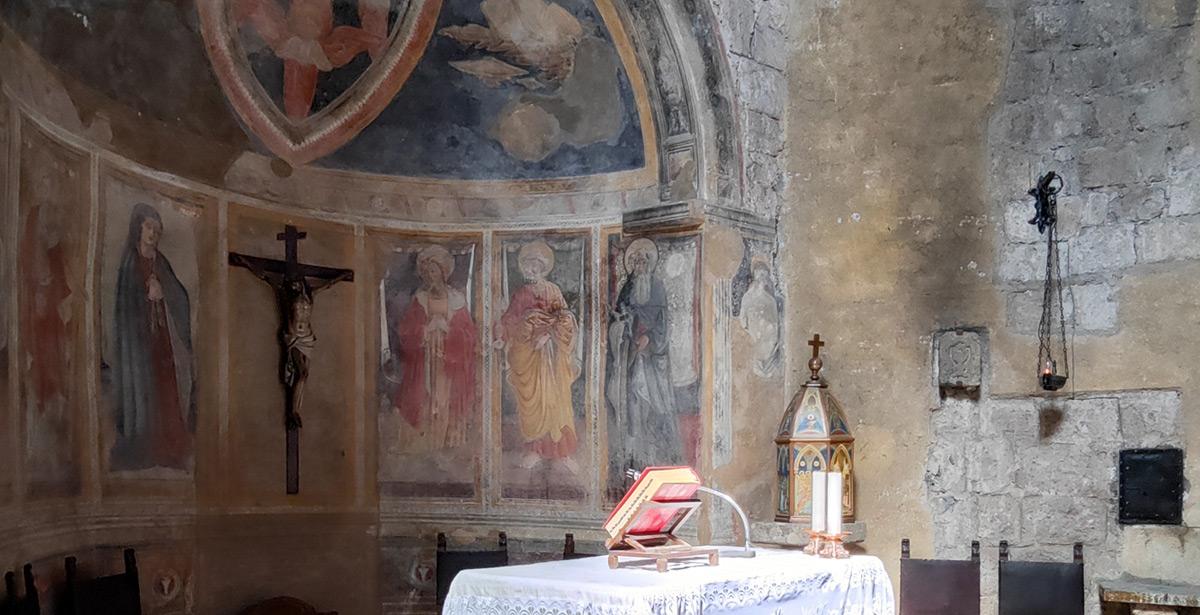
(118, 594)
(27, 604)
(1041, 588)
(284, 605)
(938, 586)
(569, 549)
(450, 563)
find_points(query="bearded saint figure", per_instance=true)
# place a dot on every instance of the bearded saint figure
(438, 348)
(639, 388)
(539, 335)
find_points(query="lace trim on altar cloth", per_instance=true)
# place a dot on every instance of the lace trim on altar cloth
(860, 594)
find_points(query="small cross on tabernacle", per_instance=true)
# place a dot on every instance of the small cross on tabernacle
(816, 344)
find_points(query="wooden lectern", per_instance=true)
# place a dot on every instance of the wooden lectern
(643, 524)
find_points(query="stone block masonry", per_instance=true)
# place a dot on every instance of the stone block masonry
(1099, 92)
(1040, 473)
(755, 35)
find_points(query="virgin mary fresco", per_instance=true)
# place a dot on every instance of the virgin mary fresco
(152, 349)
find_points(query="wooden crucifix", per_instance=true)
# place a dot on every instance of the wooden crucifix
(295, 285)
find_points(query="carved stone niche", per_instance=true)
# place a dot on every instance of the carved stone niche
(959, 355)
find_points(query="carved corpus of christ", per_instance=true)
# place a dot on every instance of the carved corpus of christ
(295, 286)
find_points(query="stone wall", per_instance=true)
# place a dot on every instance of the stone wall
(1100, 95)
(1040, 473)
(756, 40)
(915, 130)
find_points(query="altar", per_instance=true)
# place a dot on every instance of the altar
(777, 581)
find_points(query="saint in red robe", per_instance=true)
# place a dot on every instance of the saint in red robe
(438, 349)
(46, 337)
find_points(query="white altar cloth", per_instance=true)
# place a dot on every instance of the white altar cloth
(776, 582)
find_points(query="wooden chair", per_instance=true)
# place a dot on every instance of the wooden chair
(284, 605)
(24, 605)
(1041, 588)
(117, 594)
(938, 586)
(569, 549)
(450, 563)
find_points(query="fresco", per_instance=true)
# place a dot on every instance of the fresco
(407, 575)
(53, 194)
(652, 371)
(759, 307)
(166, 576)
(506, 89)
(149, 292)
(541, 341)
(430, 377)
(502, 89)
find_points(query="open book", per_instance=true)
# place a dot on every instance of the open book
(659, 501)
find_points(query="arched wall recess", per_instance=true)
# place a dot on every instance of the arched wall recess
(598, 233)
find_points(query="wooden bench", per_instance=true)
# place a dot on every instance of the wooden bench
(1146, 597)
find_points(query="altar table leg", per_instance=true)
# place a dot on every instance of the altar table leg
(662, 564)
(612, 562)
(712, 559)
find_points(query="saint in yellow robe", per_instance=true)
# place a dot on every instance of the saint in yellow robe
(540, 337)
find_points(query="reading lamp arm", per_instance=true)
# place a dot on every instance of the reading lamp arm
(747, 549)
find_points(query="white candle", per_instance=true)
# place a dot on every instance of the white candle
(818, 501)
(833, 510)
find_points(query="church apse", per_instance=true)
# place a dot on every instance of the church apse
(481, 369)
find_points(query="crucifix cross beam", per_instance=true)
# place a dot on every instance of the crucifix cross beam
(814, 364)
(816, 344)
(295, 284)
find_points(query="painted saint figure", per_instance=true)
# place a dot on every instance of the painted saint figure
(153, 359)
(760, 317)
(45, 318)
(639, 386)
(539, 334)
(438, 359)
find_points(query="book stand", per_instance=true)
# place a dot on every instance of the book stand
(644, 523)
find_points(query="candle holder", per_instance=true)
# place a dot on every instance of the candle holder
(832, 547)
(815, 540)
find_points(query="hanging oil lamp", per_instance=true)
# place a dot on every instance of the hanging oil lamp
(1052, 328)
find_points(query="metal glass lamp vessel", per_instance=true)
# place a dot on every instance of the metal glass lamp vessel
(813, 436)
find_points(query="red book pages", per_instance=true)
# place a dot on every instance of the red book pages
(656, 484)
